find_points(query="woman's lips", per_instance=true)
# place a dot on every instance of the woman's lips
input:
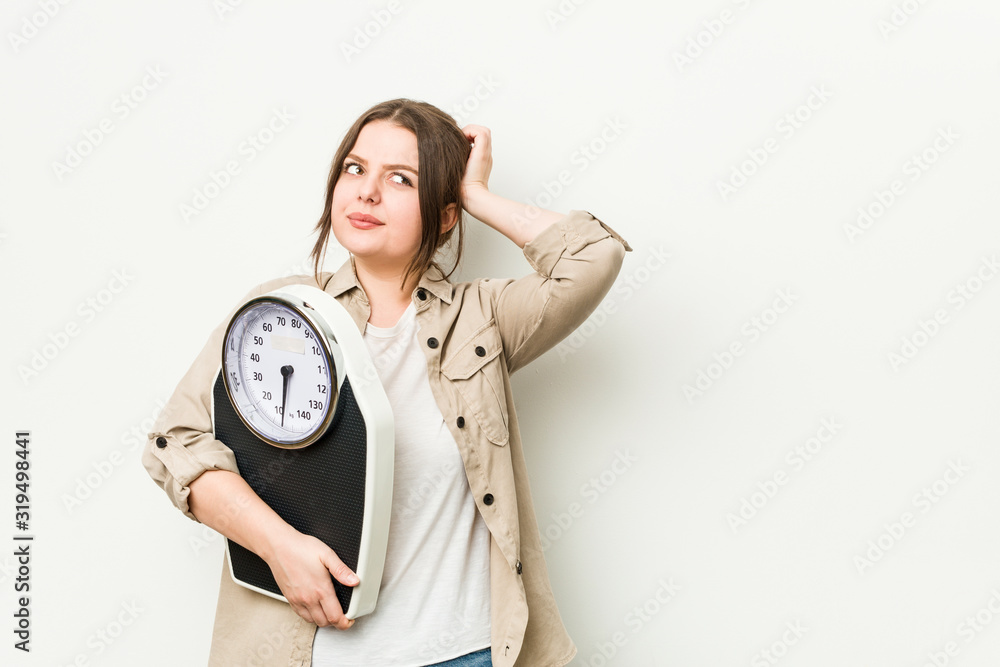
(363, 221)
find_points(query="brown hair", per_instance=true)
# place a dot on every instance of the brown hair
(442, 151)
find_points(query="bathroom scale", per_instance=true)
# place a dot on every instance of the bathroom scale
(298, 401)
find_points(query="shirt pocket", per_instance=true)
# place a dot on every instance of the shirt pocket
(474, 368)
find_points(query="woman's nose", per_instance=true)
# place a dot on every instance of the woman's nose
(368, 188)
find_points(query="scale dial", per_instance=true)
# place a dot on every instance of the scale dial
(281, 371)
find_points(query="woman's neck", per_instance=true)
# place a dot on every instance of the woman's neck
(386, 299)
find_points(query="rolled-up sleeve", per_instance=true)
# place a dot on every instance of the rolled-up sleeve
(576, 261)
(182, 444)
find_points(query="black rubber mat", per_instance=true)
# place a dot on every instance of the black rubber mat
(319, 489)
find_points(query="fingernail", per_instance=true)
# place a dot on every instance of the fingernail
(352, 578)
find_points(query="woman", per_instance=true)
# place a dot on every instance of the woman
(465, 581)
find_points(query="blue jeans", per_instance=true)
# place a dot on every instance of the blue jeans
(475, 659)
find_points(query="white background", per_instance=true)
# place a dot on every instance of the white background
(109, 547)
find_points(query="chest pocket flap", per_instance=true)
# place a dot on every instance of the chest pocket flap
(474, 367)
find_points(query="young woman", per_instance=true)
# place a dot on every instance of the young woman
(465, 582)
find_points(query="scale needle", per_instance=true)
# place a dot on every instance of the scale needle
(286, 372)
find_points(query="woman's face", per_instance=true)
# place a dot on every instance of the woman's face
(375, 209)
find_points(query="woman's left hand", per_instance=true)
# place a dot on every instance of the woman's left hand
(477, 169)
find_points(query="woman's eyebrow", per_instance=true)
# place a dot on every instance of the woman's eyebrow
(364, 163)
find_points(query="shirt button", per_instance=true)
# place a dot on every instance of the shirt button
(488, 499)
(421, 294)
(432, 342)
(519, 567)
(480, 351)
(161, 442)
(461, 422)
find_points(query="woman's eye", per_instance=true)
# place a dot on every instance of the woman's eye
(352, 166)
(401, 179)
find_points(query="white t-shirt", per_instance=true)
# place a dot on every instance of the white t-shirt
(434, 601)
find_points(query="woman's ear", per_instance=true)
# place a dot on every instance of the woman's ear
(449, 217)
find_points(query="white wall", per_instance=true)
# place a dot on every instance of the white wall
(836, 363)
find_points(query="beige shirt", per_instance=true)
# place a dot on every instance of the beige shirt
(575, 262)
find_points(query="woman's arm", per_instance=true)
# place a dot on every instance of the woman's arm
(301, 564)
(513, 219)
(576, 259)
(200, 477)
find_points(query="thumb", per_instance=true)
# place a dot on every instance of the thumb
(338, 569)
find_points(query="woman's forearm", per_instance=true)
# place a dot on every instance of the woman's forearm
(301, 564)
(223, 500)
(517, 221)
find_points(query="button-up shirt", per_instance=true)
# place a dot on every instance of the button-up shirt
(476, 335)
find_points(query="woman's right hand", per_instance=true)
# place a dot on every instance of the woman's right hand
(302, 565)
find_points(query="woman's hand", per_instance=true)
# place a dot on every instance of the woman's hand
(518, 222)
(302, 566)
(477, 169)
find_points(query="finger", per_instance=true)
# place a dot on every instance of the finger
(314, 614)
(482, 139)
(477, 134)
(472, 129)
(338, 569)
(334, 613)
